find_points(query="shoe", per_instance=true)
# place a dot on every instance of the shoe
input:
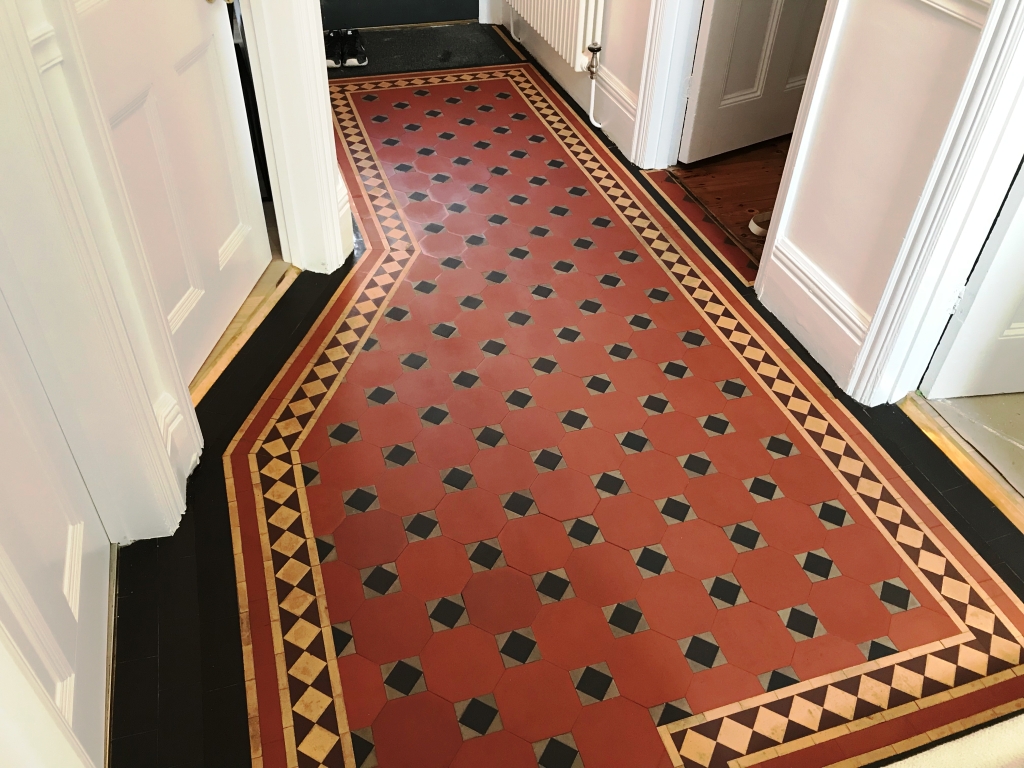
(353, 54)
(333, 44)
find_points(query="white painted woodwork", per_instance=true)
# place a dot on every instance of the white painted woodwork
(167, 82)
(312, 204)
(982, 350)
(568, 26)
(749, 70)
(54, 555)
(888, 103)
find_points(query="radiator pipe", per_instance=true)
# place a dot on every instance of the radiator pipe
(592, 67)
(512, 27)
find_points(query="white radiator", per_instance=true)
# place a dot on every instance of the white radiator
(568, 26)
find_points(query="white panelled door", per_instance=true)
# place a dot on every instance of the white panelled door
(168, 85)
(54, 554)
(748, 73)
(982, 349)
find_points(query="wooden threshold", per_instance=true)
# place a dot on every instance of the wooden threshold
(967, 459)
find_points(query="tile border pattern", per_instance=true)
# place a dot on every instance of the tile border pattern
(312, 708)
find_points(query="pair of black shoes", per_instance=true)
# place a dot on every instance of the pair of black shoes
(344, 48)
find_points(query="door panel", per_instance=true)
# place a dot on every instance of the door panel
(749, 69)
(54, 554)
(982, 349)
(168, 84)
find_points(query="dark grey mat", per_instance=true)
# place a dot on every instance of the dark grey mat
(355, 14)
(417, 49)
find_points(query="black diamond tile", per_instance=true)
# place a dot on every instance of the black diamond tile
(655, 404)
(621, 351)
(403, 677)
(568, 334)
(724, 590)
(744, 536)
(652, 561)
(641, 322)
(446, 136)
(693, 338)
(594, 682)
(601, 222)
(895, 595)
(370, 97)
(696, 464)
(779, 678)
(379, 118)
(413, 127)
(519, 200)
(519, 318)
(518, 398)
(519, 253)
(548, 458)
(403, 167)
(519, 154)
(343, 433)
(501, 130)
(563, 266)
(440, 178)
(434, 415)
(610, 281)
(539, 231)
(577, 191)
(493, 347)
(555, 163)
(537, 181)
(434, 228)
(583, 243)
(600, 384)
(482, 144)
(490, 436)
(575, 419)
(519, 646)
(818, 565)
(674, 509)
(702, 651)
(779, 446)
(399, 454)
(552, 585)
(426, 151)
(496, 277)
(558, 753)
(715, 424)
(674, 370)
(518, 116)
(763, 488)
(380, 395)
(447, 612)
(465, 379)
(478, 716)
(401, 105)
(518, 503)
(414, 361)
(497, 219)
(583, 531)
(628, 257)
(471, 302)
(475, 240)
(458, 478)
(478, 189)
(878, 648)
(463, 161)
(362, 746)
(325, 548)
(484, 554)
(421, 526)
(453, 100)
(671, 712)
(625, 618)
(535, 139)
(361, 499)
(499, 170)
(418, 197)
(342, 634)
(433, 113)
(444, 330)
(609, 483)
(380, 580)
(542, 291)
(832, 514)
(559, 210)
(467, 121)
(801, 622)
(391, 143)
(634, 442)
(457, 207)
(398, 314)
(733, 388)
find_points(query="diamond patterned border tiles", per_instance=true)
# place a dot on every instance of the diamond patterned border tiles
(285, 621)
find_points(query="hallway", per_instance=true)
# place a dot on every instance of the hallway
(545, 486)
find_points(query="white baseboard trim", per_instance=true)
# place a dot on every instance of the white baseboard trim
(814, 308)
(618, 93)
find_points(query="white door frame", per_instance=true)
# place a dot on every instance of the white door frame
(969, 178)
(286, 54)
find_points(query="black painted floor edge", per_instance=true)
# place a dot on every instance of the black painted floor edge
(178, 689)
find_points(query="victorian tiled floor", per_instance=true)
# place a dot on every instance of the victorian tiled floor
(540, 488)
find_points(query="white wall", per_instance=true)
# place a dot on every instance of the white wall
(884, 86)
(624, 42)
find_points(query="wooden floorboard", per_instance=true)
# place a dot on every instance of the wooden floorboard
(734, 186)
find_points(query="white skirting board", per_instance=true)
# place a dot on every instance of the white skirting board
(814, 308)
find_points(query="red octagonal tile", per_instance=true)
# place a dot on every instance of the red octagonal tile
(537, 701)
(461, 663)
